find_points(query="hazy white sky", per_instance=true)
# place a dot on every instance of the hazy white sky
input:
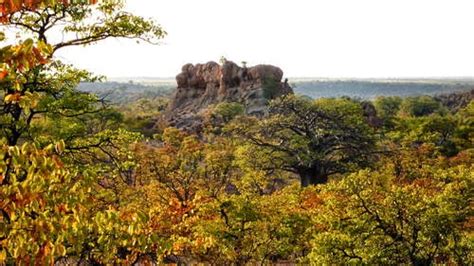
(317, 38)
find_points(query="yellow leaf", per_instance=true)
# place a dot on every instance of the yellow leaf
(8, 98)
(3, 255)
(61, 250)
(130, 229)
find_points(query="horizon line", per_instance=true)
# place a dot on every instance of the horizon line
(111, 78)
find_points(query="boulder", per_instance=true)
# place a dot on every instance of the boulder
(202, 85)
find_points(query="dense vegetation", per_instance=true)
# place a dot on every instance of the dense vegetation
(323, 181)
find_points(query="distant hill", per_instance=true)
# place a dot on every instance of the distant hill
(369, 89)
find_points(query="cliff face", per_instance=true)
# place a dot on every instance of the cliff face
(204, 84)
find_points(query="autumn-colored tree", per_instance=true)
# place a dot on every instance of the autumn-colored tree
(178, 173)
(47, 211)
(36, 85)
(181, 164)
(42, 205)
(39, 91)
(251, 228)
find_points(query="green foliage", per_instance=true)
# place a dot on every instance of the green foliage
(77, 187)
(228, 111)
(465, 127)
(448, 132)
(313, 139)
(34, 84)
(387, 108)
(373, 218)
(270, 88)
(420, 106)
(219, 115)
(141, 115)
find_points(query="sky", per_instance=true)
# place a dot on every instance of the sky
(305, 38)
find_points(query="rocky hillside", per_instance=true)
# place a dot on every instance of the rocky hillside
(202, 85)
(457, 100)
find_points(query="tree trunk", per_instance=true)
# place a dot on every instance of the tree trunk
(312, 176)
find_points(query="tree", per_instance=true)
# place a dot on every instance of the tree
(39, 92)
(449, 133)
(420, 106)
(249, 228)
(464, 135)
(35, 84)
(44, 199)
(181, 164)
(217, 116)
(270, 88)
(41, 207)
(313, 139)
(387, 109)
(374, 218)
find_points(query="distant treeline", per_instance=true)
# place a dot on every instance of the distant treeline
(371, 89)
(127, 92)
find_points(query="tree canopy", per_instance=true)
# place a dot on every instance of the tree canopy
(314, 139)
(80, 184)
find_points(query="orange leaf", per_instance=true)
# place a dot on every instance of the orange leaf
(3, 74)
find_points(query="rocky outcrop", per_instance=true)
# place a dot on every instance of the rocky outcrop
(457, 100)
(202, 85)
(370, 114)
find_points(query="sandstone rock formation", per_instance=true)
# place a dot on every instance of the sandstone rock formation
(202, 85)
